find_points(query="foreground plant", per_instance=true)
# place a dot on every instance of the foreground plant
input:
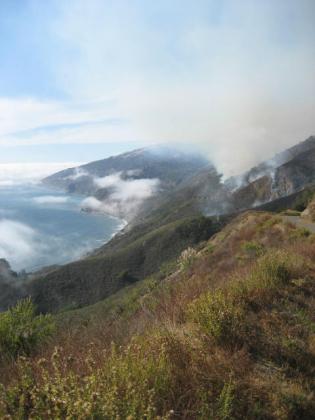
(21, 330)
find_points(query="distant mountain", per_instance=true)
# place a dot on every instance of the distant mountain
(287, 173)
(122, 183)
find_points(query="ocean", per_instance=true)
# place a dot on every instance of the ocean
(41, 227)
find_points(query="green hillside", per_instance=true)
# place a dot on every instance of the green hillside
(140, 254)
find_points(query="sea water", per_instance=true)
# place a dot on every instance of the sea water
(41, 227)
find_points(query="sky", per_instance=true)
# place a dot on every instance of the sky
(81, 80)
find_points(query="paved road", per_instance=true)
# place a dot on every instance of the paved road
(300, 222)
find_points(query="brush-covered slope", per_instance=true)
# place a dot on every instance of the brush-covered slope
(228, 334)
(285, 174)
(147, 243)
(163, 228)
(117, 265)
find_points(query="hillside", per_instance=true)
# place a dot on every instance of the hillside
(116, 266)
(227, 333)
(287, 173)
(123, 184)
(166, 223)
(11, 285)
(158, 231)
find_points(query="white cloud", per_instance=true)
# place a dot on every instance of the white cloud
(125, 196)
(136, 189)
(77, 173)
(18, 243)
(128, 189)
(51, 199)
(92, 203)
(108, 181)
(21, 173)
(26, 248)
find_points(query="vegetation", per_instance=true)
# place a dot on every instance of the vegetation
(220, 338)
(296, 202)
(21, 331)
(187, 257)
(303, 199)
(139, 255)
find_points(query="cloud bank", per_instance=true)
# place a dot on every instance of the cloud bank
(51, 199)
(121, 197)
(18, 243)
(27, 248)
(12, 174)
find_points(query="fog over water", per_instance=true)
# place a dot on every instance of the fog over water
(40, 227)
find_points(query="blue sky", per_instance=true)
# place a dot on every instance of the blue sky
(81, 80)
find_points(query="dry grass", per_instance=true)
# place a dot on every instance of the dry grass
(229, 335)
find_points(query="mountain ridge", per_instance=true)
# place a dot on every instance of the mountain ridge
(127, 256)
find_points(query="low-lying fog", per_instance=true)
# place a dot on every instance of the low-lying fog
(39, 227)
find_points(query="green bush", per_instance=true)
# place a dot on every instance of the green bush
(225, 402)
(218, 315)
(302, 200)
(21, 330)
(290, 212)
(253, 249)
(271, 271)
(299, 233)
(131, 384)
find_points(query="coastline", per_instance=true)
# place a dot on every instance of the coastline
(32, 216)
(123, 222)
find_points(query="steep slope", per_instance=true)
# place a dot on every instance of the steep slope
(285, 174)
(166, 223)
(148, 242)
(163, 228)
(116, 266)
(229, 334)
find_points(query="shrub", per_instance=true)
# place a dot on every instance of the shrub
(21, 330)
(303, 199)
(299, 233)
(130, 384)
(269, 223)
(270, 271)
(187, 258)
(290, 212)
(218, 315)
(274, 270)
(225, 402)
(253, 249)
